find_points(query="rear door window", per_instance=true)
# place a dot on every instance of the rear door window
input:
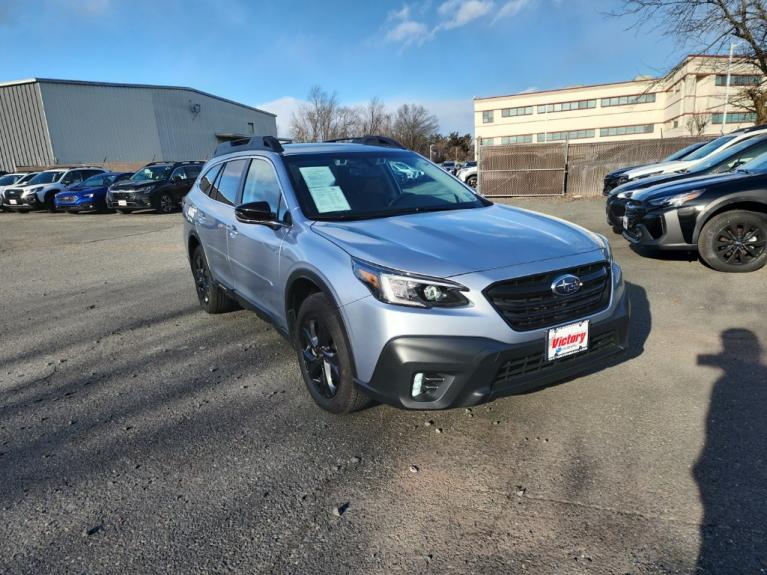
(206, 183)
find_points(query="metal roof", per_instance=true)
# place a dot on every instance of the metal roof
(123, 85)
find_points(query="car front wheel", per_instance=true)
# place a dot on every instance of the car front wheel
(325, 357)
(734, 241)
(472, 181)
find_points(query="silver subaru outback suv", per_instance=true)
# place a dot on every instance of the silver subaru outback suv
(417, 292)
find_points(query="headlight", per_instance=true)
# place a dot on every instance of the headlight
(32, 191)
(87, 195)
(399, 288)
(604, 246)
(624, 195)
(622, 180)
(675, 200)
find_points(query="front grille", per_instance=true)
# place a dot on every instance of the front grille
(67, 199)
(121, 196)
(537, 362)
(529, 303)
(13, 194)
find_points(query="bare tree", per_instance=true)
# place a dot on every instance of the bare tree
(373, 118)
(413, 126)
(323, 118)
(709, 26)
(697, 123)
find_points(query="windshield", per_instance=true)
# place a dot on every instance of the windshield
(364, 185)
(713, 145)
(94, 181)
(26, 179)
(9, 179)
(46, 178)
(758, 164)
(679, 154)
(152, 173)
(742, 151)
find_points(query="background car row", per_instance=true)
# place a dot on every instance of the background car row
(157, 186)
(712, 200)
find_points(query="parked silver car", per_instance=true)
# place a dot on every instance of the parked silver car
(416, 292)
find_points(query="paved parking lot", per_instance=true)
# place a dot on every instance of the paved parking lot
(138, 435)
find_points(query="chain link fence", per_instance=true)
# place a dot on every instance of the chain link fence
(564, 168)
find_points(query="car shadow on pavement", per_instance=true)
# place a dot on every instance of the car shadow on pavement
(672, 256)
(731, 471)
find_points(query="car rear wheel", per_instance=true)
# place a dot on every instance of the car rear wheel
(734, 241)
(325, 357)
(212, 298)
(472, 181)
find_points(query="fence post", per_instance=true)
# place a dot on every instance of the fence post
(564, 172)
(478, 152)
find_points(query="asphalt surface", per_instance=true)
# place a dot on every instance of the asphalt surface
(138, 435)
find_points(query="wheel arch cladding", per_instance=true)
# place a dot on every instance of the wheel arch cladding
(737, 203)
(192, 243)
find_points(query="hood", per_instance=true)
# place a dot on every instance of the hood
(690, 184)
(642, 183)
(83, 189)
(663, 167)
(132, 185)
(444, 244)
(621, 171)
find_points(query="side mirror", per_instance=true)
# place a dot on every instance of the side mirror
(255, 213)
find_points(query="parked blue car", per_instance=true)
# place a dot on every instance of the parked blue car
(89, 195)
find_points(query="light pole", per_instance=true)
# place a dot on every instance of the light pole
(727, 88)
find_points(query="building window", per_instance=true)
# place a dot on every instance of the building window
(487, 117)
(738, 80)
(627, 130)
(561, 136)
(525, 139)
(567, 106)
(521, 111)
(734, 117)
(488, 141)
(252, 127)
(628, 100)
(676, 123)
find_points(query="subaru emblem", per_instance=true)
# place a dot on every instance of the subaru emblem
(566, 285)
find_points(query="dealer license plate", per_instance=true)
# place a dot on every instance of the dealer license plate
(625, 222)
(122, 202)
(567, 340)
(12, 201)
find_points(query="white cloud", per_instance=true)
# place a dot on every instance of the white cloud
(510, 8)
(457, 13)
(403, 30)
(284, 108)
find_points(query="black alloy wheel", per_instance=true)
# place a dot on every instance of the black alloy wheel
(472, 181)
(201, 277)
(166, 205)
(735, 241)
(320, 357)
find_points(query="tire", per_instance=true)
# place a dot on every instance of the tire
(325, 357)
(734, 241)
(472, 181)
(119, 211)
(165, 203)
(617, 229)
(212, 298)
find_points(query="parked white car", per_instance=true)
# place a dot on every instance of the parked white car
(40, 191)
(14, 179)
(699, 155)
(468, 174)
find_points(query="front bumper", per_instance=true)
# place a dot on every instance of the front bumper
(615, 209)
(129, 200)
(23, 203)
(477, 369)
(671, 229)
(80, 204)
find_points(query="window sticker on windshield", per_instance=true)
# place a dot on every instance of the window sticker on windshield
(329, 199)
(318, 177)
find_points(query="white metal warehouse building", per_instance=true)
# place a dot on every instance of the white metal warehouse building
(47, 122)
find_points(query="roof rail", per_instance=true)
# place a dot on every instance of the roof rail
(752, 128)
(269, 143)
(383, 141)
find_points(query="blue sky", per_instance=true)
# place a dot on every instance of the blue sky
(439, 53)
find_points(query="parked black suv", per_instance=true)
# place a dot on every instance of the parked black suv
(723, 217)
(157, 186)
